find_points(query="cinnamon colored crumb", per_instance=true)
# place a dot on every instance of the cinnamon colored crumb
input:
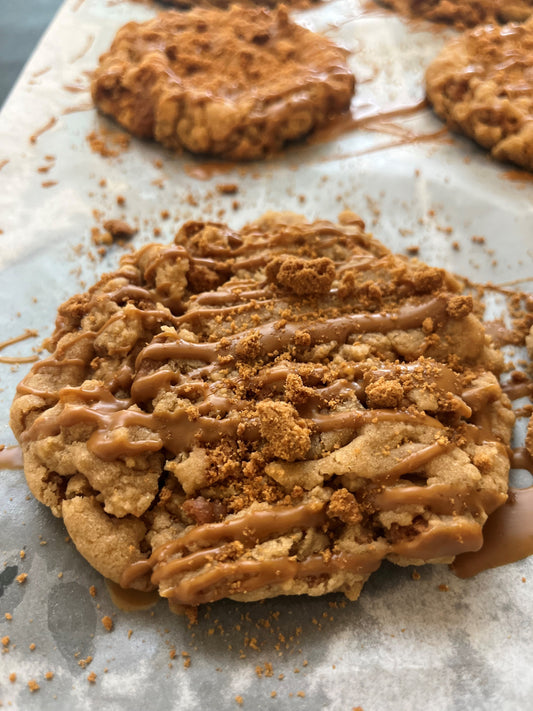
(33, 685)
(121, 200)
(49, 183)
(443, 587)
(107, 144)
(476, 239)
(21, 578)
(227, 188)
(32, 646)
(91, 678)
(92, 591)
(301, 694)
(8, 616)
(12, 677)
(49, 675)
(239, 700)
(107, 623)
(130, 632)
(412, 249)
(119, 229)
(5, 641)
(415, 575)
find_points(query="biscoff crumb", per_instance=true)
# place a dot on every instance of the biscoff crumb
(415, 575)
(301, 694)
(49, 675)
(239, 700)
(91, 678)
(8, 616)
(22, 555)
(107, 623)
(443, 587)
(21, 578)
(33, 685)
(130, 632)
(273, 694)
(5, 641)
(32, 646)
(227, 188)
(12, 677)
(92, 591)
(172, 652)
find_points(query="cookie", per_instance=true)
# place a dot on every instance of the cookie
(464, 13)
(267, 412)
(188, 4)
(482, 85)
(235, 83)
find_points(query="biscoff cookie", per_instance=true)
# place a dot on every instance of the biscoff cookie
(464, 13)
(482, 85)
(267, 412)
(235, 83)
(188, 4)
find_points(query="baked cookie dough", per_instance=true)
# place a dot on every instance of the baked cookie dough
(235, 83)
(464, 13)
(188, 4)
(482, 85)
(267, 412)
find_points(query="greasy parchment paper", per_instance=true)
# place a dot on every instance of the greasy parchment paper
(405, 644)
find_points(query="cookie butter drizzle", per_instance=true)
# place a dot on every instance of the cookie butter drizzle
(219, 416)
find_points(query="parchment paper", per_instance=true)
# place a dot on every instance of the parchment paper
(406, 644)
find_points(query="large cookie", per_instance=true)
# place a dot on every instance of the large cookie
(267, 412)
(236, 83)
(464, 13)
(482, 84)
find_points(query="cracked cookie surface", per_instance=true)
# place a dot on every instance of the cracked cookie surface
(235, 83)
(482, 85)
(266, 412)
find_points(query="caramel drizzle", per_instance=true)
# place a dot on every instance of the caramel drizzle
(28, 333)
(507, 536)
(220, 579)
(47, 126)
(274, 340)
(11, 457)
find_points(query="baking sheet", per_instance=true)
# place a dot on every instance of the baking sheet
(406, 643)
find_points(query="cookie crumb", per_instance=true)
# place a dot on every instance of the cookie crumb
(415, 575)
(107, 623)
(5, 641)
(12, 677)
(91, 678)
(8, 616)
(49, 675)
(239, 700)
(21, 578)
(443, 587)
(92, 591)
(227, 188)
(33, 685)
(32, 646)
